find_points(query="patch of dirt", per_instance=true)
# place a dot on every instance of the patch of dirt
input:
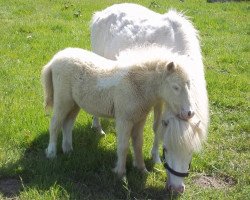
(206, 181)
(10, 187)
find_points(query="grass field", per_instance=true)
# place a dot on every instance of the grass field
(33, 31)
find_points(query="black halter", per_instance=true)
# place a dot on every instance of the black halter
(179, 174)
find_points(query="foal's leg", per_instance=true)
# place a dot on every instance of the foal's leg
(137, 141)
(123, 129)
(67, 129)
(55, 125)
(97, 125)
(157, 122)
(63, 104)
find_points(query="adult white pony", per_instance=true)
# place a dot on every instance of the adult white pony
(123, 26)
(124, 89)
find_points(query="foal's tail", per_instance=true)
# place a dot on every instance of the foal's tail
(47, 86)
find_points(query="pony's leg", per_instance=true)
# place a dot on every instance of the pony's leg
(97, 125)
(137, 141)
(67, 129)
(123, 129)
(157, 121)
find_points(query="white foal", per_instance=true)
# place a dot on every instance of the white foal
(140, 78)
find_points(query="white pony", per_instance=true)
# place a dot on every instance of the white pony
(124, 89)
(126, 25)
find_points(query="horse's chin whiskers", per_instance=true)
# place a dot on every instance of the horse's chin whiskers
(179, 116)
(198, 124)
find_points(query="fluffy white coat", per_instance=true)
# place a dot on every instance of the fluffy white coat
(126, 25)
(121, 89)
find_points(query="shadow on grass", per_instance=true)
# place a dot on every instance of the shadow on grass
(86, 173)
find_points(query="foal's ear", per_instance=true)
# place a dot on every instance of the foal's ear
(171, 67)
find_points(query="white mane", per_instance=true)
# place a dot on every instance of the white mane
(145, 52)
(185, 33)
(184, 135)
(151, 54)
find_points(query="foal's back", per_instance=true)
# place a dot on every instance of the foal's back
(76, 75)
(80, 58)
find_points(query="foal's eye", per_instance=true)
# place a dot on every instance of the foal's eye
(176, 88)
(165, 123)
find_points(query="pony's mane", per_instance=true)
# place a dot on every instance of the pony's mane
(182, 135)
(145, 53)
(150, 56)
(188, 135)
(185, 31)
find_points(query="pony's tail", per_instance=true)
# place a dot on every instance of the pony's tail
(47, 86)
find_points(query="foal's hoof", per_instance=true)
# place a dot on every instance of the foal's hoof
(51, 150)
(145, 171)
(101, 132)
(50, 154)
(120, 174)
(67, 148)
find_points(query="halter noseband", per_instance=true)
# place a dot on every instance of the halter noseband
(172, 171)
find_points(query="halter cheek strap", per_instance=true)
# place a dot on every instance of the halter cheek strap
(172, 171)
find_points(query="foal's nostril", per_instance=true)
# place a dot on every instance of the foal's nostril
(190, 114)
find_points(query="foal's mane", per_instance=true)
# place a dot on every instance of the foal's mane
(145, 60)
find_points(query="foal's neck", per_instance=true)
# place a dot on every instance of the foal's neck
(147, 80)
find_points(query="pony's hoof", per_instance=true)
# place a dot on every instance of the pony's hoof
(156, 158)
(98, 129)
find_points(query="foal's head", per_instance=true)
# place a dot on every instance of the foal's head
(176, 90)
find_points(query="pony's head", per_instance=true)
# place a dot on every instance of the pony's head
(175, 89)
(181, 139)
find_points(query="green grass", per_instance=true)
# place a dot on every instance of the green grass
(33, 31)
